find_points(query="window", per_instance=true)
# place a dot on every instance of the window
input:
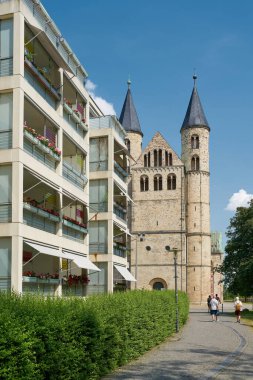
(195, 163)
(5, 263)
(145, 160)
(6, 47)
(5, 193)
(149, 159)
(158, 286)
(144, 184)
(98, 237)
(195, 142)
(99, 195)
(160, 157)
(158, 182)
(155, 157)
(168, 159)
(171, 182)
(5, 121)
(98, 154)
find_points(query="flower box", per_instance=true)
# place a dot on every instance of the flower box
(31, 138)
(76, 118)
(83, 230)
(30, 279)
(84, 126)
(42, 213)
(54, 218)
(67, 109)
(43, 148)
(29, 207)
(54, 281)
(42, 79)
(67, 165)
(55, 156)
(74, 226)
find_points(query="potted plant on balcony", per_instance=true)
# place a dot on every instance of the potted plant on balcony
(67, 105)
(30, 134)
(76, 116)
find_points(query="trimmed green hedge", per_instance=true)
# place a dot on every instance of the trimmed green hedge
(82, 338)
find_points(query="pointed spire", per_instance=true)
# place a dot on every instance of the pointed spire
(128, 117)
(195, 115)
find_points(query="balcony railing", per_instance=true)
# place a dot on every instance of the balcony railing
(121, 172)
(6, 67)
(75, 116)
(98, 166)
(41, 219)
(6, 139)
(119, 250)
(73, 176)
(98, 247)
(5, 212)
(99, 207)
(5, 283)
(119, 211)
(109, 122)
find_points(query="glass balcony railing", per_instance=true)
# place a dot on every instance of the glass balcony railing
(5, 212)
(39, 218)
(119, 211)
(73, 176)
(119, 250)
(6, 66)
(121, 172)
(97, 247)
(6, 139)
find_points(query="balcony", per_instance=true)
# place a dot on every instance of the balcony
(98, 247)
(119, 211)
(75, 115)
(73, 176)
(119, 250)
(40, 218)
(121, 172)
(109, 122)
(74, 220)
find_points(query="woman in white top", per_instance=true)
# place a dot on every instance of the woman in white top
(238, 309)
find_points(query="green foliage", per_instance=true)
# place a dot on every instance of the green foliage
(238, 263)
(82, 338)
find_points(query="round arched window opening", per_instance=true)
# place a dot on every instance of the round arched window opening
(158, 286)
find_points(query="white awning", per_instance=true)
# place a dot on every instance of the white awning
(50, 251)
(85, 263)
(125, 273)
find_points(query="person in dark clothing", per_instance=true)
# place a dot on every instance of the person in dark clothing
(208, 303)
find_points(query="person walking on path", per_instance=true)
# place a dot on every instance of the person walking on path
(208, 303)
(214, 307)
(238, 309)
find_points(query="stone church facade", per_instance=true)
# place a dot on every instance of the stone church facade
(171, 206)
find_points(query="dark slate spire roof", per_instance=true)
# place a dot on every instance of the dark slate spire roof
(195, 115)
(128, 117)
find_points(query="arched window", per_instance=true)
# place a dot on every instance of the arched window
(144, 185)
(195, 142)
(158, 286)
(155, 157)
(166, 158)
(160, 157)
(195, 163)
(171, 182)
(149, 159)
(158, 182)
(170, 159)
(145, 160)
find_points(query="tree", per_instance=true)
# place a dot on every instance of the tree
(238, 263)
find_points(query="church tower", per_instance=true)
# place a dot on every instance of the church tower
(129, 120)
(195, 156)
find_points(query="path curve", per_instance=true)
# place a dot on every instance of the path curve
(204, 350)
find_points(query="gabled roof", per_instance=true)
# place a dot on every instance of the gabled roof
(195, 115)
(128, 117)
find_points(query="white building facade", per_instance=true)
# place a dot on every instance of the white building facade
(44, 150)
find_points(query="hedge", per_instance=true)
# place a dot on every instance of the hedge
(82, 338)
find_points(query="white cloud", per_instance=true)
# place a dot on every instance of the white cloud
(106, 107)
(239, 199)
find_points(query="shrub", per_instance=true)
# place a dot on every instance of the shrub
(82, 338)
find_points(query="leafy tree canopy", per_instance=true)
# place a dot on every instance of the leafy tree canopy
(238, 263)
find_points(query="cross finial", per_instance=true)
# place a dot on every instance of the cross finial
(194, 78)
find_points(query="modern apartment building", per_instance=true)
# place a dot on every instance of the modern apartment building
(109, 238)
(44, 156)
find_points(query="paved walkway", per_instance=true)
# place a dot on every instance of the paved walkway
(204, 350)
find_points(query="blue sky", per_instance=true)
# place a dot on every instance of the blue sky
(159, 44)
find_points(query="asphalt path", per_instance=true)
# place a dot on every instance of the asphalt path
(203, 350)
